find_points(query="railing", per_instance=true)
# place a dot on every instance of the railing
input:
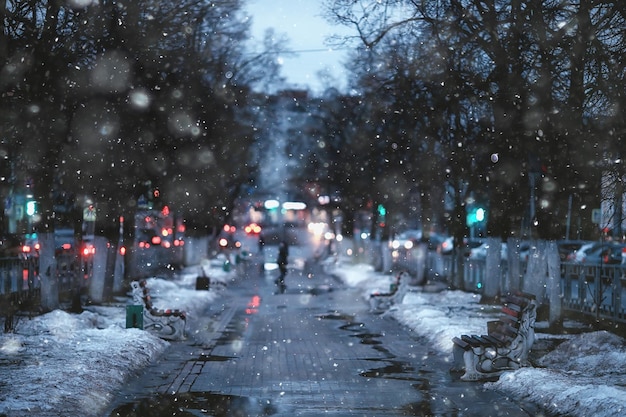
(18, 275)
(596, 290)
(20, 288)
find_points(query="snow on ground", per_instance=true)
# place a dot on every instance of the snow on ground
(583, 376)
(59, 361)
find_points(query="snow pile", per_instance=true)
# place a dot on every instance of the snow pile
(583, 376)
(60, 361)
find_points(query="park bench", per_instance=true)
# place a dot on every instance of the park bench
(506, 345)
(398, 289)
(167, 324)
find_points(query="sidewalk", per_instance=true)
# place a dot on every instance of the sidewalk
(581, 373)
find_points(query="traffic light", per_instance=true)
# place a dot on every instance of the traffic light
(476, 215)
(31, 208)
(382, 212)
(480, 214)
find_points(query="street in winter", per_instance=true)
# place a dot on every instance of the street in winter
(316, 349)
(306, 208)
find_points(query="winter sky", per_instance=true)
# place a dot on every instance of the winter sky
(301, 21)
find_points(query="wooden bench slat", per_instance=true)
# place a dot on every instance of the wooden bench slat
(510, 312)
(510, 321)
(514, 299)
(473, 342)
(493, 340)
(463, 344)
(482, 340)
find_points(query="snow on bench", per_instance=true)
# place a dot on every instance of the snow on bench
(167, 324)
(397, 291)
(506, 345)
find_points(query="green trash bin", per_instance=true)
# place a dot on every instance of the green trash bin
(134, 317)
(226, 266)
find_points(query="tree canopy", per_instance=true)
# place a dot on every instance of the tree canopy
(509, 102)
(118, 100)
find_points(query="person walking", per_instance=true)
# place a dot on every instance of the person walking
(282, 261)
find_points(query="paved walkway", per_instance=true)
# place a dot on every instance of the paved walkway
(311, 351)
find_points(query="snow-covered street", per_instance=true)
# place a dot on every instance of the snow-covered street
(59, 361)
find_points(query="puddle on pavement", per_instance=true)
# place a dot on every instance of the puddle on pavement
(391, 368)
(194, 404)
(336, 316)
(213, 358)
(368, 338)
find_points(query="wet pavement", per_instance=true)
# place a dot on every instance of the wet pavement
(314, 350)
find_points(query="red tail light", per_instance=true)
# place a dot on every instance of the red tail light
(89, 250)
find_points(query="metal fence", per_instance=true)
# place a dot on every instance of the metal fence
(596, 290)
(20, 287)
(18, 275)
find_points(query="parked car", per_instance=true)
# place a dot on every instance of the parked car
(469, 244)
(64, 242)
(11, 246)
(584, 250)
(480, 252)
(568, 248)
(31, 245)
(406, 240)
(147, 238)
(608, 253)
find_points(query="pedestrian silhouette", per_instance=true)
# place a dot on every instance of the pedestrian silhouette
(282, 261)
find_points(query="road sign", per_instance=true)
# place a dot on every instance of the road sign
(596, 215)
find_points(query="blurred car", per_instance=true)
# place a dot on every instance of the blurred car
(13, 246)
(568, 248)
(480, 252)
(31, 245)
(446, 245)
(469, 244)
(253, 229)
(581, 254)
(228, 242)
(607, 253)
(406, 240)
(64, 242)
(147, 238)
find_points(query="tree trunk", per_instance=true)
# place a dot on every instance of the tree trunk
(554, 284)
(493, 271)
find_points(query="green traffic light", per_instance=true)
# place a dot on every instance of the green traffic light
(480, 214)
